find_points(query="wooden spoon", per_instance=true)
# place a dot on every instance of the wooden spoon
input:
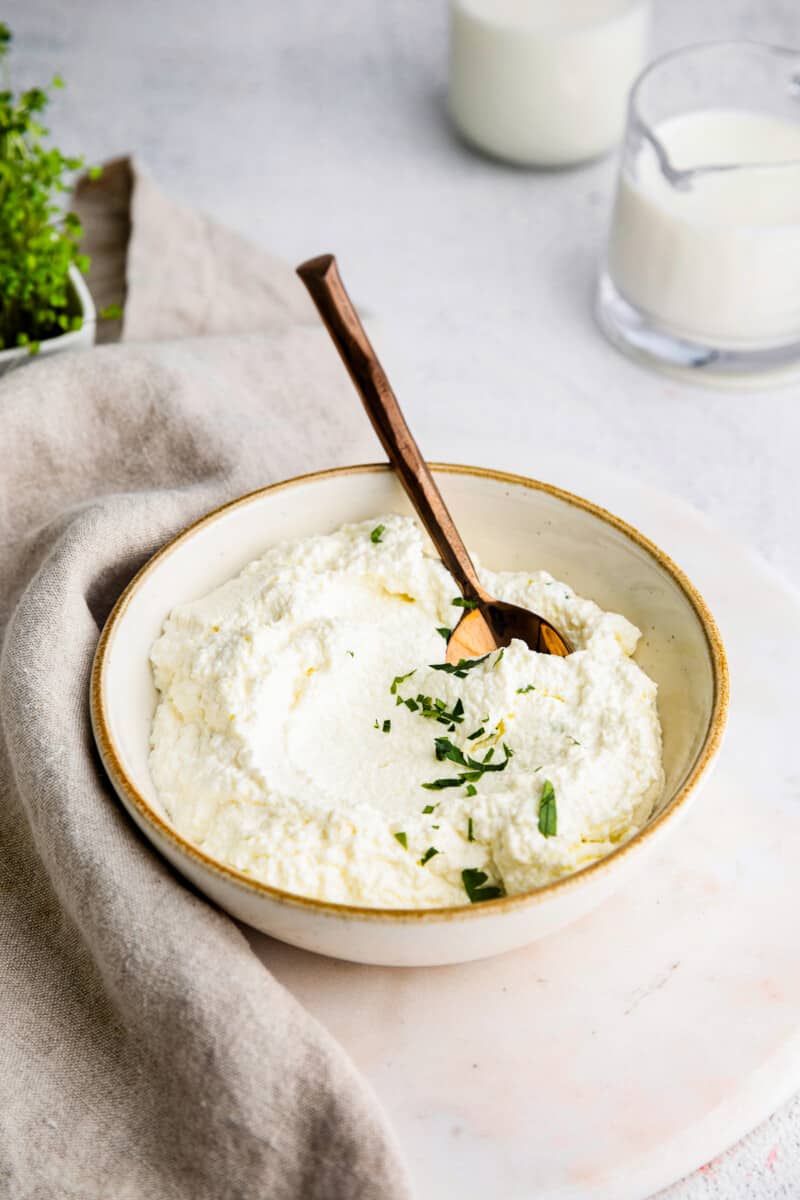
(488, 624)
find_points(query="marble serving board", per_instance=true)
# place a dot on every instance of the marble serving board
(615, 1056)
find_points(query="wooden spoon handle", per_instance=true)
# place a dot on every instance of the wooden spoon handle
(321, 277)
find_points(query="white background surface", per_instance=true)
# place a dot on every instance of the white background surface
(316, 126)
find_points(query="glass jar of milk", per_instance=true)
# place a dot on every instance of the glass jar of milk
(703, 267)
(545, 82)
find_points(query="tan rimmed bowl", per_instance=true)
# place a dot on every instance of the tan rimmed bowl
(514, 524)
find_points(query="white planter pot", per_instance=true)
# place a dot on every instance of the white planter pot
(79, 339)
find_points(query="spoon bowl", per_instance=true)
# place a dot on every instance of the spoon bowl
(488, 624)
(494, 623)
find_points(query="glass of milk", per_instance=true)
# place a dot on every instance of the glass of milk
(545, 82)
(703, 265)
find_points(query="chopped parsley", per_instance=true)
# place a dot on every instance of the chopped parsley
(529, 687)
(470, 830)
(438, 785)
(474, 881)
(460, 602)
(548, 818)
(377, 534)
(430, 853)
(387, 726)
(460, 668)
(471, 790)
(499, 658)
(435, 710)
(429, 808)
(446, 751)
(444, 632)
(472, 736)
(398, 679)
(351, 653)
(402, 839)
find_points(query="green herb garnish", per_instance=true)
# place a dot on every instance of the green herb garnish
(474, 881)
(445, 750)
(444, 631)
(499, 658)
(548, 818)
(429, 808)
(430, 853)
(460, 602)
(436, 710)
(402, 839)
(398, 679)
(387, 726)
(460, 668)
(377, 534)
(472, 736)
(470, 830)
(529, 687)
(471, 790)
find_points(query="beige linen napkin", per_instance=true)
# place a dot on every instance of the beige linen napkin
(144, 1051)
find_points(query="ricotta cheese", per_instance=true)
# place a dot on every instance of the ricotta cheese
(307, 734)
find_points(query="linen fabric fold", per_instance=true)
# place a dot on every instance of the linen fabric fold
(144, 1051)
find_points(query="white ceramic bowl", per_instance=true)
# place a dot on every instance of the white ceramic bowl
(513, 523)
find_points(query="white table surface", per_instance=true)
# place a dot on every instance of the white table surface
(314, 126)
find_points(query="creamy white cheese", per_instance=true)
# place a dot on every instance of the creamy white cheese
(268, 746)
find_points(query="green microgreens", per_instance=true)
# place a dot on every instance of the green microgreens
(461, 602)
(548, 818)
(474, 881)
(444, 632)
(40, 240)
(377, 534)
(529, 687)
(460, 668)
(402, 839)
(470, 830)
(430, 853)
